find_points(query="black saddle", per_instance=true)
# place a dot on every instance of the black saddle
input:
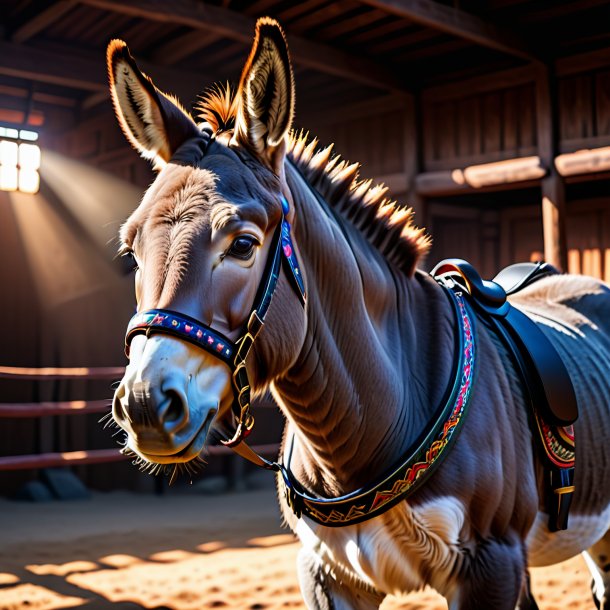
(547, 379)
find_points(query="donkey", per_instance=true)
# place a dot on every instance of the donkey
(357, 347)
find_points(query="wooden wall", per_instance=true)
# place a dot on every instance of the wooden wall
(396, 138)
(584, 110)
(478, 128)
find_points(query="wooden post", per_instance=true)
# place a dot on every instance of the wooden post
(554, 221)
(553, 188)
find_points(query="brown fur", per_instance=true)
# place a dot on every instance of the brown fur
(361, 370)
(386, 224)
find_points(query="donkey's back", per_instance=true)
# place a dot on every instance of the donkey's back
(574, 312)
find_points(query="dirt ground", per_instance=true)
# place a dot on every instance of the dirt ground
(184, 551)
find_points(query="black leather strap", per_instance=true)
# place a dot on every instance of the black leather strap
(547, 377)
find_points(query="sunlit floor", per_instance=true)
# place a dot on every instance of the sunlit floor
(194, 551)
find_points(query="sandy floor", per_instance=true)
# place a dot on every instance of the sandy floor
(180, 552)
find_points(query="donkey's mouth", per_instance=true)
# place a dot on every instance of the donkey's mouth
(186, 454)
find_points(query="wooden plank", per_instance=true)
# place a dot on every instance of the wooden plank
(583, 162)
(491, 106)
(55, 460)
(602, 103)
(66, 68)
(504, 79)
(54, 12)
(583, 62)
(510, 121)
(457, 23)
(379, 105)
(451, 163)
(435, 50)
(445, 144)
(239, 27)
(43, 409)
(102, 456)
(345, 26)
(407, 38)
(466, 138)
(182, 47)
(526, 104)
(568, 146)
(569, 128)
(510, 173)
(49, 373)
(505, 172)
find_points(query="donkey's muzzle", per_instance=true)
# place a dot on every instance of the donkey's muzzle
(152, 414)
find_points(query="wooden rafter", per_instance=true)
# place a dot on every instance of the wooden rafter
(239, 27)
(456, 22)
(64, 69)
(41, 20)
(182, 46)
(67, 69)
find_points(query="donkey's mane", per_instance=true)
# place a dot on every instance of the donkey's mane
(386, 224)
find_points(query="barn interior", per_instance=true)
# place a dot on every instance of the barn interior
(491, 119)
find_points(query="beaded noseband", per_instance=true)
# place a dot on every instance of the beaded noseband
(234, 354)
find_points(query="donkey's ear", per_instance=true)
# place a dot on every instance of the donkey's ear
(154, 123)
(266, 95)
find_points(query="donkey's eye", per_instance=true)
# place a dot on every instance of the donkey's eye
(128, 261)
(243, 247)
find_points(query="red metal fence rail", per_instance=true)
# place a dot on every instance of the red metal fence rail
(74, 407)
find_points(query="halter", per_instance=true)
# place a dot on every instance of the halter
(420, 460)
(233, 354)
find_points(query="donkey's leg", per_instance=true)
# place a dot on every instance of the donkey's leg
(492, 578)
(598, 561)
(322, 592)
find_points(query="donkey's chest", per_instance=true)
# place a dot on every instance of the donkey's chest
(397, 552)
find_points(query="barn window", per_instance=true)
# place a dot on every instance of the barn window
(19, 160)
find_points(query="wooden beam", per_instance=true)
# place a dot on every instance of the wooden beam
(457, 23)
(68, 69)
(584, 162)
(504, 172)
(50, 373)
(322, 115)
(54, 12)
(43, 409)
(64, 101)
(506, 79)
(554, 210)
(583, 62)
(511, 173)
(65, 69)
(182, 46)
(239, 27)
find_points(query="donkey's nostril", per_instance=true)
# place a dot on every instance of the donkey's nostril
(175, 410)
(173, 413)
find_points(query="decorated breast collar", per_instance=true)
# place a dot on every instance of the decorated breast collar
(423, 457)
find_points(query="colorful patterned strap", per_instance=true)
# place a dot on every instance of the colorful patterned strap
(182, 326)
(422, 460)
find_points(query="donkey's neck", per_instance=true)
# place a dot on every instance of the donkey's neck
(363, 388)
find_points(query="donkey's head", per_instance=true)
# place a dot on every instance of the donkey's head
(206, 239)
